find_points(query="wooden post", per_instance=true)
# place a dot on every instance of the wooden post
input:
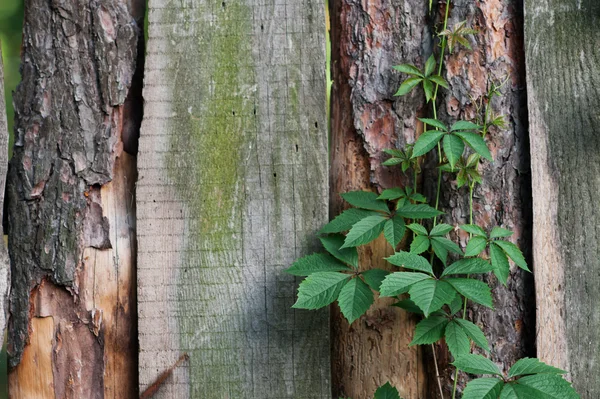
(232, 188)
(563, 75)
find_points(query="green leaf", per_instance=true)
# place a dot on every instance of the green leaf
(475, 290)
(419, 245)
(508, 392)
(464, 125)
(456, 339)
(399, 283)
(453, 149)
(441, 230)
(392, 162)
(473, 229)
(408, 69)
(409, 306)
(498, 232)
(428, 89)
(387, 392)
(441, 246)
(430, 65)
(394, 152)
(475, 246)
(374, 278)
(435, 123)
(365, 200)
(476, 364)
(394, 230)
(418, 211)
(547, 386)
(431, 295)
(320, 289)
(468, 266)
(426, 142)
(440, 81)
(499, 263)
(365, 231)
(429, 330)
(514, 253)
(392, 194)
(476, 142)
(417, 228)
(408, 85)
(345, 220)
(528, 365)
(475, 333)
(483, 388)
(355, 299)
(315, 263)
(456, 304)
(410, 261)
(334, 242)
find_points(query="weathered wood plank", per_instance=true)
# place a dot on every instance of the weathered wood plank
(4, 262)
(563, 76)
(232, 188)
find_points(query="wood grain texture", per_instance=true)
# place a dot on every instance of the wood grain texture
(4, 261)
(563, 74)
(504, 197)
(368, 38)
(70, 203)
(232, 188)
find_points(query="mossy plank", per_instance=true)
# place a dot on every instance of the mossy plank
(232, 188)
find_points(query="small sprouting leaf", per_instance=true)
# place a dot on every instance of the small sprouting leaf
(409, 306)
(365, 231)
(374, 278)
(392, 194)
(453, 148)
(438, 80)
(418, 197)
(355, 299)
(499, 263)
(394, 230)
(435, 123)
(475, 333)
(476, 142)
(475, 290)
(475, 246)
(462, 178)
(456, 304)
(408, 85)
(483, 388)
(394, 152)
(428, 89)
(315, 263)
(392, 162)
(320, 289)
(528, 366)
(544, 386)
(476, 364)
(400, 282)
(334, 242)
(468, 266)
(472, 160)
(386, 392)
(410, 261)
(426, 142)
(429, 330)
(498, 232)
(408, 69)
(419, 245)
(514, 253)
(365, 200)
(430, 65)
(345, 220)
(456, 339)
(464, 125)
(431, 295)
(441, 230)
(417, 228)
(473, 229)
(418, 211)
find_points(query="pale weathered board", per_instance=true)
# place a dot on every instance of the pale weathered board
(232, 188)
(4, 265)
(563, 76)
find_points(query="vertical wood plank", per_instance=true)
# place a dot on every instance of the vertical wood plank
(4, 262)
(232, 188)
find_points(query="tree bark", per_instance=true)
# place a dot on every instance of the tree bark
(232, 189)
(563, 75)
(504, 197)
(4, 261)
(71, 203)
(367, 40)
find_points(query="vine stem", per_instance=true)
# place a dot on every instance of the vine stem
(437, 371)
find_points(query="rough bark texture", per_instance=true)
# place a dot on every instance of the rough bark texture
(504, 197)
(232, 188)
(368, 38)
(563, 75)
(4, 261)
(71, 206)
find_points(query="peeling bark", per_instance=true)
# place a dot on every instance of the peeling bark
(70, 200)
(4, 261)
